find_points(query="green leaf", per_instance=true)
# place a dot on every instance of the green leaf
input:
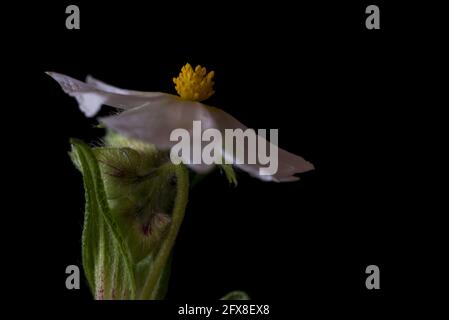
(106, 258)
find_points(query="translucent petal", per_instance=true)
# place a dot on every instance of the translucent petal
(103, 86)
(90, 97)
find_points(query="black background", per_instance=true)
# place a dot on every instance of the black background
(341, 97)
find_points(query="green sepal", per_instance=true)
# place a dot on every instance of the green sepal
(229, 173)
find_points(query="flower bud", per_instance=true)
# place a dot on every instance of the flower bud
(135, 203)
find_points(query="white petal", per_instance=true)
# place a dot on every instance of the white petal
(90, 103)
(90, 97)
(107, 87)
(154, 124)
(288, 163)
(286, 168)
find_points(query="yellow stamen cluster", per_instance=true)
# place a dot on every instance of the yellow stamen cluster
(195, 85)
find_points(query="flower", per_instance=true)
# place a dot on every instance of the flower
(152, 116)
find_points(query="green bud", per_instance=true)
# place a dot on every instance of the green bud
(236, 295)
(135, 203)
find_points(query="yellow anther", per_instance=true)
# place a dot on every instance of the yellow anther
(195, 85)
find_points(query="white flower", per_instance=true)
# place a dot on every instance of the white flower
(152, 116)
